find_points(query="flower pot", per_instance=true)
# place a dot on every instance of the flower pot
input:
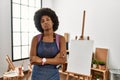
(102, 67)
(97, 79)
(94, 65)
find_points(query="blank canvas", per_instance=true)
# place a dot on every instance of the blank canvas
(80, 56)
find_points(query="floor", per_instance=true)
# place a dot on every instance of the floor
(62, 77)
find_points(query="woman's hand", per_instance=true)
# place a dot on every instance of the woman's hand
(35, 60)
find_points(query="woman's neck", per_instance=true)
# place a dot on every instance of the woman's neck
(48, 36)
(48, 33)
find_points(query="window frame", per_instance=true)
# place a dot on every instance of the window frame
(20, 32)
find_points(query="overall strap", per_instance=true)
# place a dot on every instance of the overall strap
(39, 37)
(57, 39)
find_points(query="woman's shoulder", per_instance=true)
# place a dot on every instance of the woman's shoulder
(36, 37)
(61, 37)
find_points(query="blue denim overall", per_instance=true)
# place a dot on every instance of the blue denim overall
(47, 71)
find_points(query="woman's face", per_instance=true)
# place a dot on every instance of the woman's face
(46, 23)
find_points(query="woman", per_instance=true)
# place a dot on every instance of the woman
(45, 55)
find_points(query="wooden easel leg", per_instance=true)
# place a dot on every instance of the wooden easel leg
(28, 75)
(83, 78)
(78, 77)
(88, 78)
(67, 77)
(104, 75)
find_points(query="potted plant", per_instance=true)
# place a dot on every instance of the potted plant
(94, 63)
(97, 77)
(101, 65)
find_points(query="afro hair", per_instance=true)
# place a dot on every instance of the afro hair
(45, 11)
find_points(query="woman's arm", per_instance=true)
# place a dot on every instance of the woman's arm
(33, 58)
(61, 56)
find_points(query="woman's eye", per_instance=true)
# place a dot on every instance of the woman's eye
(47, 19)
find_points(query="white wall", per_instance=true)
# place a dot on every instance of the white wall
(47, 3)
(5, 28)
(5, 36)
(102, 23)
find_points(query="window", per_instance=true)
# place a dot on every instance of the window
(23, 28)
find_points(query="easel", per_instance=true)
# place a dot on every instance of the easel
(80, 76)
(17, 75)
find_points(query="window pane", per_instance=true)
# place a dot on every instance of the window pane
(24, 12)
(32, 3)
(25, 2)
(31, 13)
(16, 39)
(32, 27)
(24, 25)
(16, 24)
(16, 10)
(16, 1)
(25, 52)
(25, 39)
(38, 3)
(16, 53)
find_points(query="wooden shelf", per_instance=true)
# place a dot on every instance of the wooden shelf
(104, 73)
(96, 69)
